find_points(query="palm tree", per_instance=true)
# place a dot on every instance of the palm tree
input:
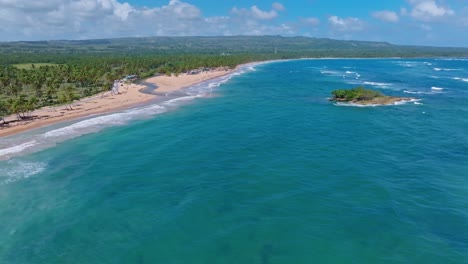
(19, 106)
(67, 97)
(15, 87)
(3, 111)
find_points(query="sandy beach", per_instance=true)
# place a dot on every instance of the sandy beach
(128, 97)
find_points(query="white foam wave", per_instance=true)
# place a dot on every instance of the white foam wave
(213, 85)
(461, 79)
(445, 69)
(355, 105)
(401, 102)
(414, 92)
(17, 149)
(113, 119)
(326, 72)
(379, 84)
(179, 100)
(13, 171)
(407, 63)
(208, 87)
(436, 88)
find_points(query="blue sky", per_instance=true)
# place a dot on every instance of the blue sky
(412, 22)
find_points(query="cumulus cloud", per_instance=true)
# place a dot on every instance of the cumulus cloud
(310, 21)
(426, 10)
(388, 16)
(260, 14)
(255, 12)
(346, 24)
(84, 19)
(278, 6)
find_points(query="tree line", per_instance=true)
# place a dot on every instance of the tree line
(70, 77)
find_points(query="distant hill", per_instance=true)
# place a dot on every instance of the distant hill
(286, 46)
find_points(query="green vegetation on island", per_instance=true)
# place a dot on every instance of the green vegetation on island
(362, 96)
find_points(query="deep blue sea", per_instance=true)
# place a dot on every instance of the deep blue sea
(256, 167)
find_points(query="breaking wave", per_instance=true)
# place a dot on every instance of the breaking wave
(378, 84)
(402, 102)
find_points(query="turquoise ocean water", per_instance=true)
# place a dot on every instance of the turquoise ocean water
(253, 168)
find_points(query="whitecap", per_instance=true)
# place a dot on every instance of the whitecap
(379, 84)
(461, 79)
(406, 63)
(436, 88)
(326, 72)
(414, 92)
(445, 69)
(402, 102)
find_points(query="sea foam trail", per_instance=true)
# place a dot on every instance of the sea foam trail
(12, 171)
(18, 145)
(461, 79)
(378, 84)
(445, 69)
(433, 90)
(17, 148)
(436, 88)
(402, 102)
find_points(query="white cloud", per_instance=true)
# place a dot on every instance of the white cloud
(426, 10)
(310, 21)
(85, 19)
(256, 13)
(346, 24)
(260, 14)
(388, 16)
(278, 6)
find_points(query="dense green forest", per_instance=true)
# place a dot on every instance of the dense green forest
(355, 94)
(41, 73)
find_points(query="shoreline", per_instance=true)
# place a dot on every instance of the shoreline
(102, 103)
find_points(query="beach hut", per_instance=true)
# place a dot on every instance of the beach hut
(115, 87)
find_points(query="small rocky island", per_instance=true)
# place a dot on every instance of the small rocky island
(362, 96)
